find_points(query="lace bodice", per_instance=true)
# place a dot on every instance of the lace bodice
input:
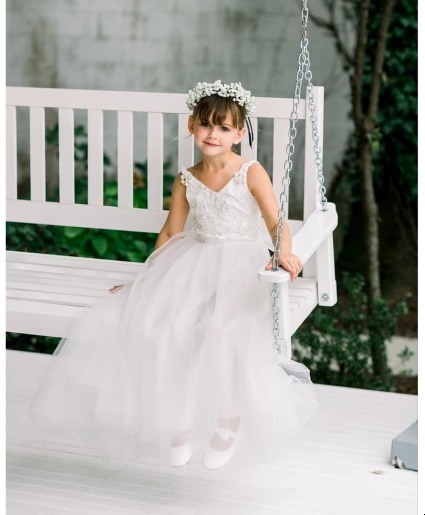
(229, 214)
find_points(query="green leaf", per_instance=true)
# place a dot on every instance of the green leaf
(134, 256)
(73, 232)
(100, 245)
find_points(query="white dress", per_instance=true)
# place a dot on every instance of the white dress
(188, 341)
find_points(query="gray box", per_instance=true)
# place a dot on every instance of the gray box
(404, 449)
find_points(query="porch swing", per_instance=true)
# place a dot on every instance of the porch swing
(292, 303)
(46, 292)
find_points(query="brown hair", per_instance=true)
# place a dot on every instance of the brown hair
(216, 109)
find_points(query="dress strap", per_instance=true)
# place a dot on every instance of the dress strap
(241, 175)
(246, 165)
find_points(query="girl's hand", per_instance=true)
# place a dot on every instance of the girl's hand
(114, 289)
(290, 262)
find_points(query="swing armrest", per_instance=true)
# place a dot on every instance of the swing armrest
(318, 226)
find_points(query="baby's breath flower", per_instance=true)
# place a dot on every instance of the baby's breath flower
(233, 90)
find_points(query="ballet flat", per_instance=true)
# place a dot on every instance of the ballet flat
(180, 454)
(213, 458)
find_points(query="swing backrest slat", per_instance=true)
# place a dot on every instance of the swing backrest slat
(11, 154)
(155, 160)
(125, 159)
(155, 106)
(66, 156)
(95, 157)
(37, 154)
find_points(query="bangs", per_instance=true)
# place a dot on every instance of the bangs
(217, 109)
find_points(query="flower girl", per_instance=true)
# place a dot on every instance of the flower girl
(181, 359)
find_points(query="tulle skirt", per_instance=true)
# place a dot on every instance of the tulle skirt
(188, 342)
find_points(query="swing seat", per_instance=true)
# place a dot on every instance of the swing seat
(45, 292)
(313, 244)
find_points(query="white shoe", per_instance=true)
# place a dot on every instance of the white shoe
(179, 455)
(214, 458)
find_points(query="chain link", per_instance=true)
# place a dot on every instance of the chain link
(303, 72)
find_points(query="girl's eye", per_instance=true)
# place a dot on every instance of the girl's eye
(205, 124)
(225, 129)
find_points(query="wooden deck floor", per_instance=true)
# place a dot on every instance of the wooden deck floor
(338, 465)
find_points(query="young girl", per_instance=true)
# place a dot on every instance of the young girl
(182, 358)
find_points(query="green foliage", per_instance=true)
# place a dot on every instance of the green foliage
(397, 120)
(118, 245)
(405, 355)
(35, 238)
(31, 343)
(336, 343)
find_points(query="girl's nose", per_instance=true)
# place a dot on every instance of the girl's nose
(213, 132)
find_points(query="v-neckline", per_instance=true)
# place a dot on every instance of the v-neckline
(225, 186)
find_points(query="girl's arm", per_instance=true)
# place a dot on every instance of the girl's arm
(261, 187)
(177, 215)
(176, 218)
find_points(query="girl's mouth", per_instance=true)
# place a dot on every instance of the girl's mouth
(211, 144)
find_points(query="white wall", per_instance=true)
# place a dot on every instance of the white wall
(168, 46)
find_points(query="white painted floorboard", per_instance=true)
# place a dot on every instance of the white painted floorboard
(338, 465)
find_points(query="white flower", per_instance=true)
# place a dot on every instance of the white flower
(185, 178)
(239, 177)
(233, 90)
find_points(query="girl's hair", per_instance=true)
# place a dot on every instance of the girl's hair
(216, 109)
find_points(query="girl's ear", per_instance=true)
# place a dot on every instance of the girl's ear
(190, 124)
(240, 136)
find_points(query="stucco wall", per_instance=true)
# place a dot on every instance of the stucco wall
(169, 45)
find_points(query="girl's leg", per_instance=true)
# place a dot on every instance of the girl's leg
(179, 438)
(231, 424)
(180, 450)
(223, 443)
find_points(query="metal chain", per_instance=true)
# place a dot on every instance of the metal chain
(314, 128)
(303, 72)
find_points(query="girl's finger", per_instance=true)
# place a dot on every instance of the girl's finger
(116, 288)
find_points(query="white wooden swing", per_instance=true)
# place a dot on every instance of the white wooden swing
(45, 292)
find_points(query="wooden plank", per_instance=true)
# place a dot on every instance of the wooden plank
(326, 282)
(51, 297)
(267, 107)
(125, 159)
(11, 154)
(19, 279)
(78, 272)
(72, 261)
(61, 272)
(60, 276)
(40, 318)
(37, 154)
(68, 288)
(66, 156)
(22, 272)
(155, 160)
(79, 215)
(280, 141)
(95, 157)
(333, 458)
(185, 143)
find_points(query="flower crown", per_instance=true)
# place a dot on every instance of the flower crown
(233, 90)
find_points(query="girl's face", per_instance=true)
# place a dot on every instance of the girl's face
(214, 140)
